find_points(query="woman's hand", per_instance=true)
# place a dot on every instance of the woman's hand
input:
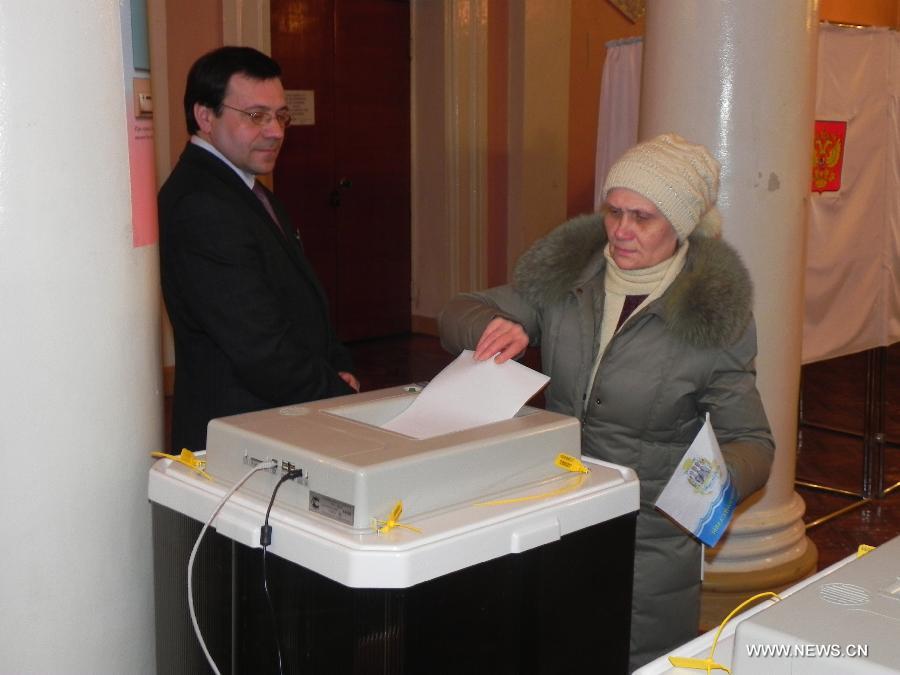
(507, 339)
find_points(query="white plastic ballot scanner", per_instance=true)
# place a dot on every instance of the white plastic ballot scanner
(843, 620)
(502, 561)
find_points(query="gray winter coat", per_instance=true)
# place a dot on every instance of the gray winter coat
(688, 352)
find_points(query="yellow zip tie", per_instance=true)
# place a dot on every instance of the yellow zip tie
(385, 526)
(569, 463)
(574, 485)
(563, 461)
(189, 459)
(708, 664)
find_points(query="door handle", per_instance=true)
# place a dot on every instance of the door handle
(334, 199)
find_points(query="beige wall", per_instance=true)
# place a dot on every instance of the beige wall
(192, 28)
(179, 33)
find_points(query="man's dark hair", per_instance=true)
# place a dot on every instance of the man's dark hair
(209, 76)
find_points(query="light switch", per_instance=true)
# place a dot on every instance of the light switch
(143, 99)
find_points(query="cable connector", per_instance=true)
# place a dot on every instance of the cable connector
(261, 464)
(265, 535)
(265, 532)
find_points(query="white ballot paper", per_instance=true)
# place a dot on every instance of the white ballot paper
(700, 496)
(468, 393)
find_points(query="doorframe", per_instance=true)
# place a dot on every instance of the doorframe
(449, 152)
(466, 123)
(247, 23)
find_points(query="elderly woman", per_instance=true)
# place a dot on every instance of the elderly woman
(643, 316)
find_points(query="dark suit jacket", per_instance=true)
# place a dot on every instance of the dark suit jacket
(250, 318)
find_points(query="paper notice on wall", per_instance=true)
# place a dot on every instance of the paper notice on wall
(302, 104)
(700, 495)
(468, 393)
(143, 182)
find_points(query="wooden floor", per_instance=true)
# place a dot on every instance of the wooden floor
(833, 395)
(831, 450)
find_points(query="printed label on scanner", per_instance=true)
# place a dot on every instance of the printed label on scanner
(331, 508)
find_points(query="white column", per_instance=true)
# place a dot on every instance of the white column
(80, 400)
(739, 77)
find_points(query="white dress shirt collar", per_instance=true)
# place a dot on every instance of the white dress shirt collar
(248, 178)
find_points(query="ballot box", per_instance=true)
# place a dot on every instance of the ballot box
(513, 576)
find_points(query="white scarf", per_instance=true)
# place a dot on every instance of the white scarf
(618, 283)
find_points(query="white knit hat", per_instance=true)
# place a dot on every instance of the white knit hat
(680, 177)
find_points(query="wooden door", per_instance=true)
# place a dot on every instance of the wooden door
(345, 178)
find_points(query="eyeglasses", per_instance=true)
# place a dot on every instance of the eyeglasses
(262, 118)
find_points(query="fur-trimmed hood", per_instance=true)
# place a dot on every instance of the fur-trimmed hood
(708, 304)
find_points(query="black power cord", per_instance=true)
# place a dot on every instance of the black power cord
(265, 538)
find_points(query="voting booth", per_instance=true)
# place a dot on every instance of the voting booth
(503, 561)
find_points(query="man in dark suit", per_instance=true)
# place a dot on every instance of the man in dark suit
(249, 316)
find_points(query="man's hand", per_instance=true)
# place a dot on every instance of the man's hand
(350, 380)
(503, 337)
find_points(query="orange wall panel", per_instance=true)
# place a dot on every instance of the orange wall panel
(864, 12)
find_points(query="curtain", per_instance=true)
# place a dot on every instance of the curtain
(620, 98)
(853, 242)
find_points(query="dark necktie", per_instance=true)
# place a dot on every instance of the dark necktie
(263, 197)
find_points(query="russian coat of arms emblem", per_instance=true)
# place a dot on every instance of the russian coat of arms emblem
(828, 155)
